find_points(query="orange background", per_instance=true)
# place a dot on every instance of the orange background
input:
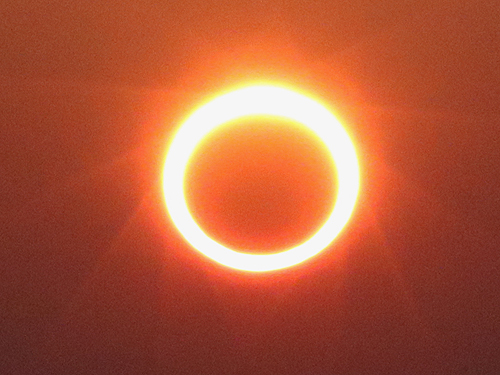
(94, 279)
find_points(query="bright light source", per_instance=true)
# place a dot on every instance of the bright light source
(261, 101)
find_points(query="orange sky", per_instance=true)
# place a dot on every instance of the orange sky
(93, 276)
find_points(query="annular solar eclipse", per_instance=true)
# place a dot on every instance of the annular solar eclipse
(261, 100)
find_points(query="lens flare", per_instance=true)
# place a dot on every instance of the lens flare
(262, 100)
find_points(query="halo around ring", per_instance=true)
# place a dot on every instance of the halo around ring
(256, 101)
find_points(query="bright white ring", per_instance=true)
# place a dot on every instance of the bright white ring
(255, 101)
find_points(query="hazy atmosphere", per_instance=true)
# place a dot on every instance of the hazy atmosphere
(94, 277)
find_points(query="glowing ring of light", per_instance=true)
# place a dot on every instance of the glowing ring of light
(257, 101)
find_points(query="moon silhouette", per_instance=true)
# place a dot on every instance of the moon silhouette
(261, 100)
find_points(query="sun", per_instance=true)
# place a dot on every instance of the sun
(261, 100)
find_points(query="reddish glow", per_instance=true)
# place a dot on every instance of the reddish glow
(263, 100)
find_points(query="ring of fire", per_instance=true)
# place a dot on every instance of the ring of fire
(261, 100)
